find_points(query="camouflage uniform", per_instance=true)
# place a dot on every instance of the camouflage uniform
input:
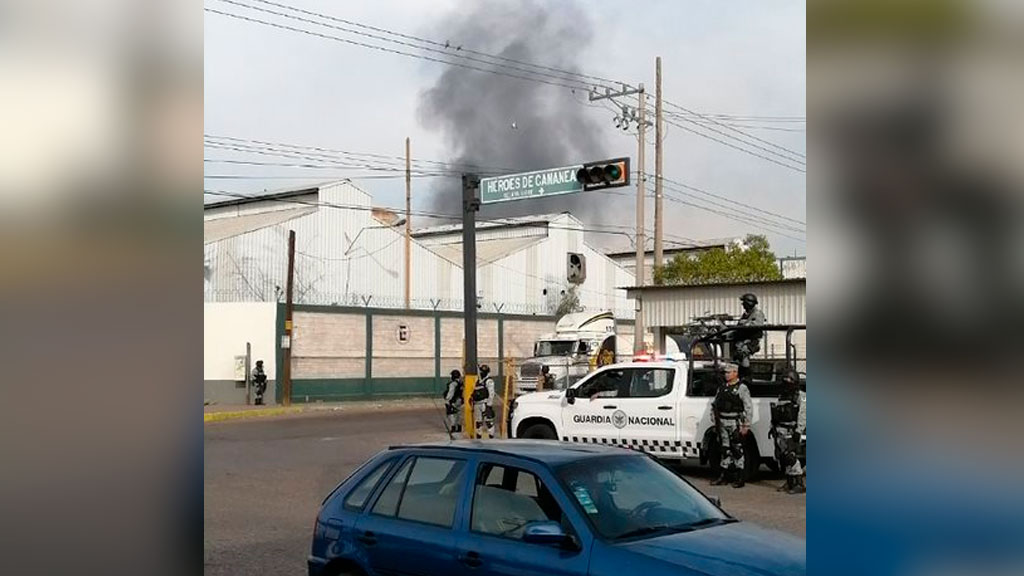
(748, 343)
(483, 404)
(789, 422)
(733, 409)
(453, 403)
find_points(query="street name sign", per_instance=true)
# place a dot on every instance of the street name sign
(550, 182)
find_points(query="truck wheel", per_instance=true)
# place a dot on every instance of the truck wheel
(539, 432)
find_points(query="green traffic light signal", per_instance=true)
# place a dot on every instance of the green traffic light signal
(604, 174)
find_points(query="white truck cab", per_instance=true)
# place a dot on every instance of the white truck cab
(657, 407)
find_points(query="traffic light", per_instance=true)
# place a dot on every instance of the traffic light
(604, 174)
(575, 268)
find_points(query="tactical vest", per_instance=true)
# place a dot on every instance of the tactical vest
(785, 413)
(728, 400)
(480, 390)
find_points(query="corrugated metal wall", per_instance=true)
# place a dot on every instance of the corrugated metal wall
(781, 302)
(346, 257)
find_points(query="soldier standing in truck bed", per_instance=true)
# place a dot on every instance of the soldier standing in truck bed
(748, 342)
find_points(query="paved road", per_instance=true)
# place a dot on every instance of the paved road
(265, 479)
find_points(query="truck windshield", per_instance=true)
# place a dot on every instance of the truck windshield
(632, 496)
(555, 347)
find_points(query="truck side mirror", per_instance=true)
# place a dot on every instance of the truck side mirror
(570, 395)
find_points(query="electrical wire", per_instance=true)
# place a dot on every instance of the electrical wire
(495, 71)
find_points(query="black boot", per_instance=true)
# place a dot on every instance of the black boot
(723, 478)
(787, 486)
(798, 485)
(738, 481)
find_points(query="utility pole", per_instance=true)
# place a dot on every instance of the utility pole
(641, 240)
(659, 214)
(470, 206)
(408, 223)
(287, 368)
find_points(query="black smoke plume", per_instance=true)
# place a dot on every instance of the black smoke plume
(497, 121)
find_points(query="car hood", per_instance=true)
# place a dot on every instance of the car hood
(738, 549)
(546, 397)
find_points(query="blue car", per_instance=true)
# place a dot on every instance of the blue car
(525, 507)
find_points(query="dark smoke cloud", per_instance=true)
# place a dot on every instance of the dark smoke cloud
(474, 111)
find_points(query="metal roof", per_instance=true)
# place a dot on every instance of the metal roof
(487, 251)
(542, 219)
(281, 195)
(220, 228)
(782, 301)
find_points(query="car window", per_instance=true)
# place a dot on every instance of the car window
(387, 503)
(606, 384)
(704, 383)
(624, 494)
(506, 499)
(426, 490)
(356, 499)
(648, 383)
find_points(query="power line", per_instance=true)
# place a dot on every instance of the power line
(446, 47)
(334, 151)
(495, 71)
(744, 150)
(492, 71)
(792, 155)
(706, 193)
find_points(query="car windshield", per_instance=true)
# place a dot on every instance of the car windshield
(555, 347)
(631, 496)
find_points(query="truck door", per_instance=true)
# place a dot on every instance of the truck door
(647, 410)
(589, 418)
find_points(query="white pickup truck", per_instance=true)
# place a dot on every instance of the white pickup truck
(658, 407)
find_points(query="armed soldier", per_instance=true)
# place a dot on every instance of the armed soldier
(453, 402)
(748, 342)
(483, 403)
(732, 411)
(789, 421)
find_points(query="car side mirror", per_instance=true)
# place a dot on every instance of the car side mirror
(547, 532)
(570, 395)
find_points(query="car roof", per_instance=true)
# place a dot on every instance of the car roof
(550, 452)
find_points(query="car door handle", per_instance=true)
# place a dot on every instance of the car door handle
(664, 407)
(368, 538)
(471, 559)
(610, 407)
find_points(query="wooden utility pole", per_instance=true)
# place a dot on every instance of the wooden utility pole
(641, 241)
(659, 215)
(408, 223)
(287, 368)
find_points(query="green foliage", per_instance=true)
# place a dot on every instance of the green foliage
(733, 264)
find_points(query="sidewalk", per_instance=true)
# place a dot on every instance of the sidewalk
(222, 412)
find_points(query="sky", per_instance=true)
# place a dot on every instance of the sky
(741, 58)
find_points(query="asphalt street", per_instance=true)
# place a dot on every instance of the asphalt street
(264, 481)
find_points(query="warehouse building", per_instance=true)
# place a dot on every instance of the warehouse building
(354, 334)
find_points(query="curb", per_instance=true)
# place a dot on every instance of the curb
(245, 414)
(307, 409)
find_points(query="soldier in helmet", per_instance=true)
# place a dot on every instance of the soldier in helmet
(748, 342)
(732, 412)
(789, 421)
(483, 402)
(453, 402)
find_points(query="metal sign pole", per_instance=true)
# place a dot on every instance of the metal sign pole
(470, 206)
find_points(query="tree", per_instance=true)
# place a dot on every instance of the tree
(753, 261)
